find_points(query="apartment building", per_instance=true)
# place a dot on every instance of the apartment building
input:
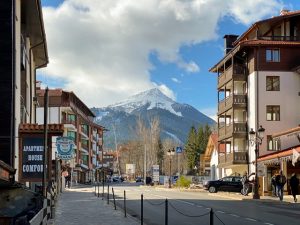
(67, 109)
(23, 50)
(258, 85)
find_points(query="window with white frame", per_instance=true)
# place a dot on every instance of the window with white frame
(273, 113)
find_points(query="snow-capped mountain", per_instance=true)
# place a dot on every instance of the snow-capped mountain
(175, 119)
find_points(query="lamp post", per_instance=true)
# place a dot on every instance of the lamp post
(170, 152)
(256, 140)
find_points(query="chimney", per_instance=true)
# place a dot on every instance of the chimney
(284, 12)
(228, 42)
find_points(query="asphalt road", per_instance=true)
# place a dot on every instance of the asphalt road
(191, 208)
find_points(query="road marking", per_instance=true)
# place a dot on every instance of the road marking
(234, 215)
(251, 219)
(189, 203)
(220, 212)
(199, 206)
(269, 223)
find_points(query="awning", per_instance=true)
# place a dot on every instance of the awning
(285, 155)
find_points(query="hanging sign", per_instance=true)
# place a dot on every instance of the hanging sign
(65, 148)
(32, 158)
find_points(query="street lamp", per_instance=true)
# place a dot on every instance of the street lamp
(256, 139)
(170, 152)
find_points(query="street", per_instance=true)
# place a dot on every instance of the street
(193, 207)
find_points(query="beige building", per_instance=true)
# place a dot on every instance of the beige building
(258, 85)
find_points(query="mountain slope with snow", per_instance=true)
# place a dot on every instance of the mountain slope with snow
(175, 119)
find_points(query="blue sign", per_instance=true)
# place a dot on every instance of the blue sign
(179, 149)
(65, 148)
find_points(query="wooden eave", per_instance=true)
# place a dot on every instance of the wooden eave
(39, 128)
(278, 154)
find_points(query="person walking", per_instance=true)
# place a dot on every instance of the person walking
(273, 183)
(280, 182)
(294, 183)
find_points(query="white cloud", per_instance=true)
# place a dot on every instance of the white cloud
(101, 48)
(165, 90)
(174, 79)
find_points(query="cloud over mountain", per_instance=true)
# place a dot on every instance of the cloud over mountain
(101, 48)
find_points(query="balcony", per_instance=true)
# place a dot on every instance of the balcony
(237, 101)
(233, 158)
(279, 38)
(237, 129)
(69, 124)
(236, 72)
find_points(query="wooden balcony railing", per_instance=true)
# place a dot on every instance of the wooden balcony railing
(229, 130)
(233, 158)
(230, 101)
(236, 72)
(68, 121)
(279, 38)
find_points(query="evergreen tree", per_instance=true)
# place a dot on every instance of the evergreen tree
(160, 154)
(191, 148)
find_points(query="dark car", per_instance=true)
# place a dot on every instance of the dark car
(230, 183)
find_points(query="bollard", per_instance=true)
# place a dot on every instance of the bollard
(95, 189)
(166, 212)
(108, 194)
(211, 217)
(102, 188)
(113, 191)
(98, 189)
(142, 209)
(125, 203)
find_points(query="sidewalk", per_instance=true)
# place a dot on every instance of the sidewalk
(79, 205)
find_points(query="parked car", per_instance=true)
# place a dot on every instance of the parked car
(230, 183)
(139, 179)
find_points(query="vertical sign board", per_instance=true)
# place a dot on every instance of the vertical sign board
(155, 173)
(32, 158)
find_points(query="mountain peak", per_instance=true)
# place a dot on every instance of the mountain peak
(152, 98)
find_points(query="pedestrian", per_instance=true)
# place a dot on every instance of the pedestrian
(273, 183)
(245, 182)
(294, 183)
(68, 181)
(280, 182)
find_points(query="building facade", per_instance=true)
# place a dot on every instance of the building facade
(23, 51)
(67, 109)
(258, 85)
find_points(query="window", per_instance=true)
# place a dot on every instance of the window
(271, 143)
(272, 55)
(272, 83)
(273, 112)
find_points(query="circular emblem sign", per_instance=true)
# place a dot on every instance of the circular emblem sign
(65, 148)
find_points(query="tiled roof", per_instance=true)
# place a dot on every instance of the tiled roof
(286, 132)
(51, 92)
(39, 128)
(279, 154)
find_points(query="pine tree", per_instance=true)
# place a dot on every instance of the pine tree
(191, 148)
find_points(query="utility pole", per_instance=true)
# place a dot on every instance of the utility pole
(45, 158)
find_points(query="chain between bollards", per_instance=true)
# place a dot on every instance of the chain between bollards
(166, 212)
(125, 203)
(113, 191)
(142, 209)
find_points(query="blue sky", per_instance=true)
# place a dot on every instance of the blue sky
(107, 50)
